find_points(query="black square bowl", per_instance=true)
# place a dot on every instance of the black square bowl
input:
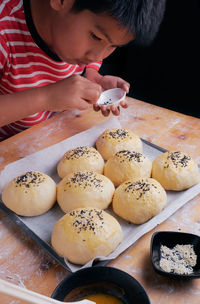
(171, 239)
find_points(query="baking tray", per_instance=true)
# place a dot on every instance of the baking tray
(39, 228)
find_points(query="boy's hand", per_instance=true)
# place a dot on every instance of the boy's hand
(108, 82)
(74, 92)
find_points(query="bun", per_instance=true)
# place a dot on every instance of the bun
(80, 159)
(30, 194)
(125, 165)
(84, 189)
(83, 234)
(138, 200)
(175, 170)
(114, 140)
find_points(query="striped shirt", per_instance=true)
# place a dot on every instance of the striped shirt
(26, 61)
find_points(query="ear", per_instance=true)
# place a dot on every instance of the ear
(58, 5)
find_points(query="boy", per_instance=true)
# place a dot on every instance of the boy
(46, 45)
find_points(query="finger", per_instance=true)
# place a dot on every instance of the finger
(92, 94)
(105, 111)
(124, 85)
(83, 105)
(124, 104)
(96, 107)
(115, 110)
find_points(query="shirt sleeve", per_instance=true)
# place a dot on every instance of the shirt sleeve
(3, 54)
(94, 65)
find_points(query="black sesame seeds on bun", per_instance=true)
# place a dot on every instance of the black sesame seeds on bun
(85, 233)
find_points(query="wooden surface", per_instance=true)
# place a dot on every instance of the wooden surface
(26, 264)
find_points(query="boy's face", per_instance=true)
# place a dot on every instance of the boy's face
(85, 37)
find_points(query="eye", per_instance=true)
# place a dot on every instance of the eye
(95, 37)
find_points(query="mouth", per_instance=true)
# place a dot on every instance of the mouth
(82, 63)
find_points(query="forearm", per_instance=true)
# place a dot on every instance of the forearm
(74, 92)
(22, 104)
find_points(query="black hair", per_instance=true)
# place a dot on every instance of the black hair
(141, 17)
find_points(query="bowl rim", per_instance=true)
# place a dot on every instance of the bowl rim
(116, 102)
(96, 269)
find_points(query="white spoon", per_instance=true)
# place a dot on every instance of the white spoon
(31, 296)
(111, 97)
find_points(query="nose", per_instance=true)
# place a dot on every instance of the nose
(91, 57)
(98, 55)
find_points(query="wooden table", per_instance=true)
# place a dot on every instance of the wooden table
(25, 263)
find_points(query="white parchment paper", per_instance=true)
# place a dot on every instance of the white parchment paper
(46, 161)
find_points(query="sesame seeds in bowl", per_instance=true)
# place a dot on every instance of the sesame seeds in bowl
(176, 254)
(111, 97)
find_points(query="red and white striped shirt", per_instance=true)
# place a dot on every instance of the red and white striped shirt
(26, 61)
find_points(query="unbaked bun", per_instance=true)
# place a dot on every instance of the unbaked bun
(175, 170)
(114, 140)
(86, 233)
(138, 200)
(30, 194)
(127, 164)
(79, 159)
(84, 189)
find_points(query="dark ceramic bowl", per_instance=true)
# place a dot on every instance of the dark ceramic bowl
(171, 239)
(101, 279)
